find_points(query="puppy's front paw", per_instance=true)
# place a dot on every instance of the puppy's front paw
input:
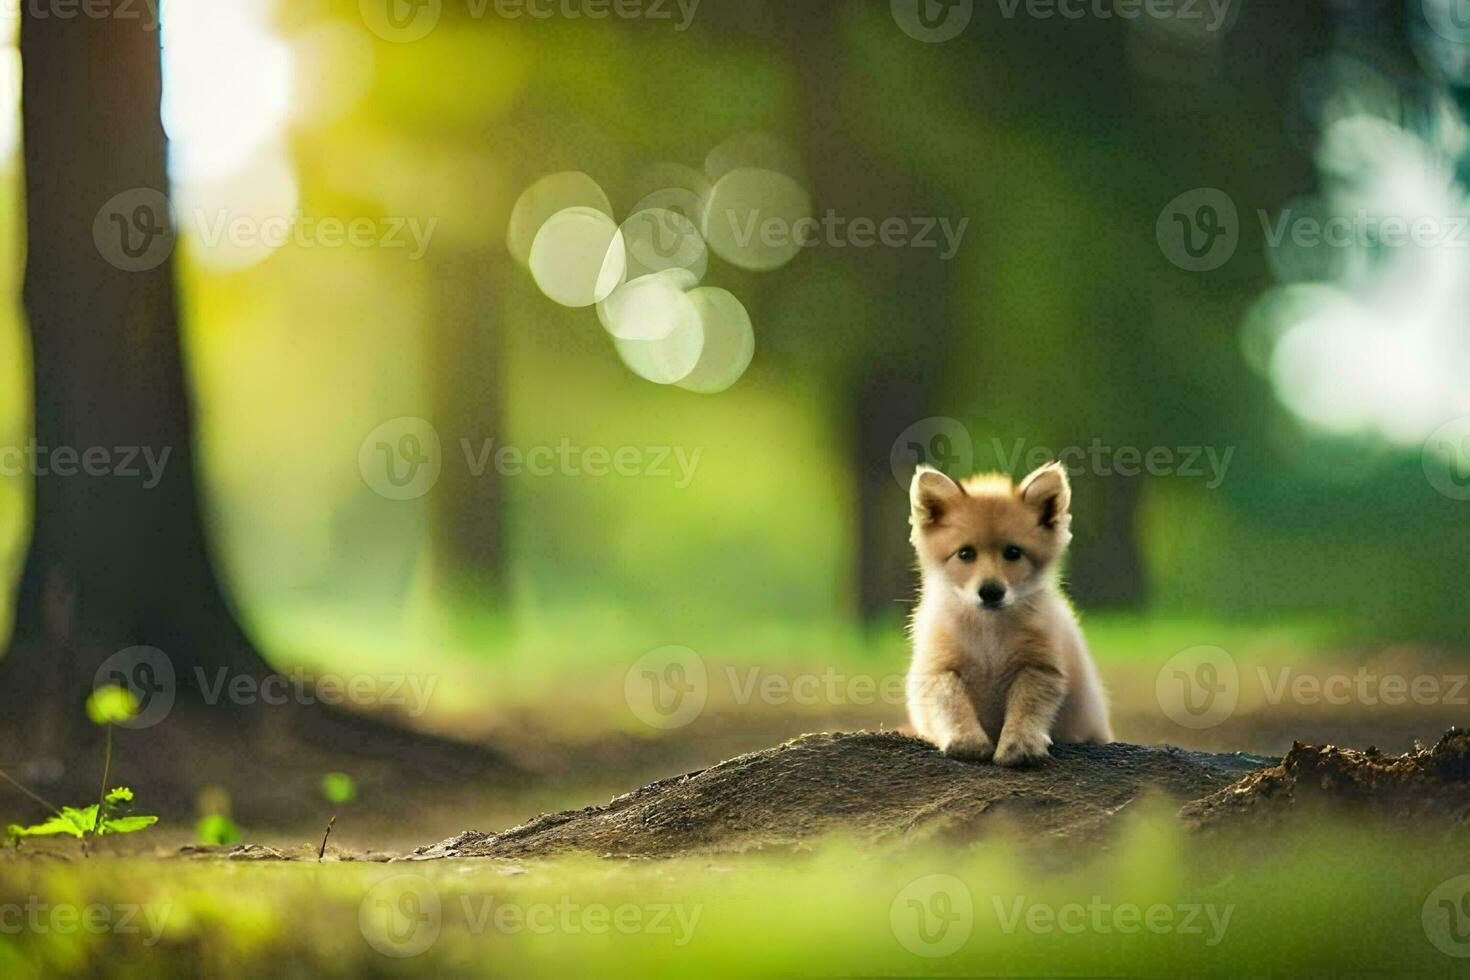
(1022, 748)
(975, 746)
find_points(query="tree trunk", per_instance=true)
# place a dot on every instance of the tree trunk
(468, 516)
(118, 559)
(1107, 571)
(897, 379)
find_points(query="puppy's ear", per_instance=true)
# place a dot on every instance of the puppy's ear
(929, 494)
(1048, 491)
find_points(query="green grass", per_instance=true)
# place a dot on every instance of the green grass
(1338, 901)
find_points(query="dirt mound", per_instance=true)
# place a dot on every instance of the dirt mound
(877, 788)
(1428, 785)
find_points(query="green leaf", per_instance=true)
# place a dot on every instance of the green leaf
(69, 821)
(111, 704)
(127, 825)
(217, 828)
(338, 787)
(80, 822)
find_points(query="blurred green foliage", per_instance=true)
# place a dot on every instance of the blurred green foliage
(1069, 327)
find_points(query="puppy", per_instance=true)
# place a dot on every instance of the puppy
(1000, 669)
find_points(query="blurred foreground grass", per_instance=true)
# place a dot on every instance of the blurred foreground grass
(1320, 901)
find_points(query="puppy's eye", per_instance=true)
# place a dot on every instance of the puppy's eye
(1011, 553)
(965, 554)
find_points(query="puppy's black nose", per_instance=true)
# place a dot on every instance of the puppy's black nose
(992, 591)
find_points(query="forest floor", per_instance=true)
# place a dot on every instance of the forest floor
(751, 849)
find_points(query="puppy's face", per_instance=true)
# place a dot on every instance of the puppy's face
(989, 540)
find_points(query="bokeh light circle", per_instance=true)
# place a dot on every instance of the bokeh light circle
(548, 196)
(578, 257)
(757, 219)
(650, 307)
(658, 239)
(729, 341)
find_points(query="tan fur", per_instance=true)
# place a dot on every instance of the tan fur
(1003, 681)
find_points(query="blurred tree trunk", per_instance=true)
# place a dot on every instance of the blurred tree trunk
(1106, 567)
(113, 562)
(468, 516)
(897, 375)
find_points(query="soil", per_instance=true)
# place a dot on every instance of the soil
(880, 789)
(1425, 787)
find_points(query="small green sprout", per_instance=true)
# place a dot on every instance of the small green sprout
(111, 705)
(338, 787)
(116, 819)
(216, 828)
